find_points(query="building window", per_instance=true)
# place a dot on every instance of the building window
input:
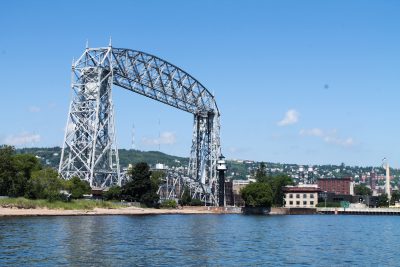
(290, 195)
(304, 195)
(304, 202)
(298, 195)
(311, 202)
(311, 195)
(291, 202)
(297, 203)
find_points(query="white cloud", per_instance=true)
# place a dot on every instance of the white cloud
(330, 137)
(291, 117)
(22, 139)
(166, 138)
(34, 109)
(312, 132)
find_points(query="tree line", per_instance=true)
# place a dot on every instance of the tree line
(22, 175)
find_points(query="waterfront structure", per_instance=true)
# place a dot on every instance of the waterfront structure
(90, 149)
(301, 196)
(339, 186)
(221, 167)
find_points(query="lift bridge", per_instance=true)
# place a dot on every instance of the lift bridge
(90, 149)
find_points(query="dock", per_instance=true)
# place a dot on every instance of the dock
(360, 211)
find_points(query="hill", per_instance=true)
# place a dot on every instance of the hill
(51, 157)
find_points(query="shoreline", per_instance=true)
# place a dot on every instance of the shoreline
(15, 212)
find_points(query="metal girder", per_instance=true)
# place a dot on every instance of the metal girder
(88, 142)
(152, 77)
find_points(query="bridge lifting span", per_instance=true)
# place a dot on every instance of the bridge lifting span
(89, 149)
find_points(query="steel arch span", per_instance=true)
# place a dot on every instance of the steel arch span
(90, 151)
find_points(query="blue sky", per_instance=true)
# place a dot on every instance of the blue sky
(308, 82)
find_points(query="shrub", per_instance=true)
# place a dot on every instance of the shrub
(329, 205)
(113, 193)
(169, 204)
(44, 184)
(196, 202)
(78, 187)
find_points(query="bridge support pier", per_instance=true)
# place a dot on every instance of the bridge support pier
(203, 157)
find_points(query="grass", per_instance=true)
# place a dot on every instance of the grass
(79, 204)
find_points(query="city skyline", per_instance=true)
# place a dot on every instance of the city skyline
(310, 84)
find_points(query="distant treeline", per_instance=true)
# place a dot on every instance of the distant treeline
(51, 157)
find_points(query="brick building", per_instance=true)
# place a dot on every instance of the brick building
(339, 186)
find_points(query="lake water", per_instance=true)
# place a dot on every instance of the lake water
(200, 240)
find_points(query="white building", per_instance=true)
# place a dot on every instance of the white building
(301, 196)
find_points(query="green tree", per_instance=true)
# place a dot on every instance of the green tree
(113, 193)
(169, 204)
(7, 169)
(277, 183)
(261, 173)
(156, 177)
(44, 184)
(140, 187)
(24, 164)
(77, 187)
(362, 190)
(395, 197)
(257, 195)
(15, 171)
(383, 201)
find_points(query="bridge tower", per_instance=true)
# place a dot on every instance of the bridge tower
(89, 150)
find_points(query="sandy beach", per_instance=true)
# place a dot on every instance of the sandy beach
(8, 212)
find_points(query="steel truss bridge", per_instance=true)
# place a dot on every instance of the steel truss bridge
(89, 149)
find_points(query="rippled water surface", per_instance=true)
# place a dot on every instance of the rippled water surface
(200, 240)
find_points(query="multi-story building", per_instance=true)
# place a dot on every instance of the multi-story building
(339, 186)
(301, 196)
